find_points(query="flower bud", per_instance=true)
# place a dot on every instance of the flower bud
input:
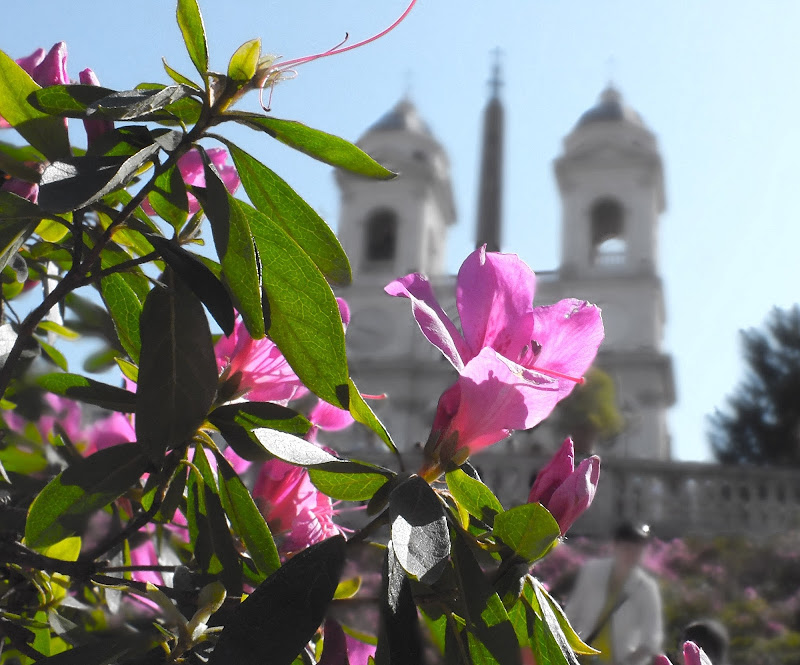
(94, 128)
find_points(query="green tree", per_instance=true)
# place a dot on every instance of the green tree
(760, 424)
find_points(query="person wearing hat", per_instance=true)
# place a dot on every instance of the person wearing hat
(615, 605)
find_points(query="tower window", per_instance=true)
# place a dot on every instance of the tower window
(608, 233)
(381, 230)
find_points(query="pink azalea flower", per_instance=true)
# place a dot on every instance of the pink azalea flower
(191, 168)
(94, 128)
(515, 361)
(255, 368)
(564, 490)
(297, 513)
(46, 68)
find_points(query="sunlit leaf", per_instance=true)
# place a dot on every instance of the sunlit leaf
(244, 61)
(530, 530)
(474, 496)
(190, 22)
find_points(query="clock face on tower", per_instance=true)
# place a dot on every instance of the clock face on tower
(370, 330)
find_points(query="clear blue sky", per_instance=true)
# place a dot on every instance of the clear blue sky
(716, 81)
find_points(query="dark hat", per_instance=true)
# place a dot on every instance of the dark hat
(632, 532)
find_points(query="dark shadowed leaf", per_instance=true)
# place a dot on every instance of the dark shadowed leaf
(64, 506)
(317, 144)
(491, 636)
(177, 368)
(233, 238)
(190, 21)
(76, 182)
(69, 100)
(46, 133)
(285, 611)
(139, 103)
(276, 199)
(334, 646)
(246, 519)
(83, 389)
(530, 530)
(203, 283)
(236, 421)
(420, 535)
(399, 639)
(473, 496)
(13, 234)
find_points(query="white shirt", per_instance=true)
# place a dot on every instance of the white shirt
(637, 624)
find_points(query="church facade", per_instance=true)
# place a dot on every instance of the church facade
(611, 182)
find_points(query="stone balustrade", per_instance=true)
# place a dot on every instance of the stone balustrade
(675, 498)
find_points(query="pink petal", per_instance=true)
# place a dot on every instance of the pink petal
(496, 397)
(52, 70)
(661, 659)
(344, 311)
(30, 62)
(431, 318)
(27, 190)
(575, 494)
(357, 651)
(569, 334)
(94, 128)
(694, 655)
(495, 302)
(111, 431)
(555, 472)
(329, 417)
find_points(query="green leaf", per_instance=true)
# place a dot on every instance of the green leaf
(48, 134)
(71, 100)
(177, 368)
(125, 306)
(317, 144)
(348, 480)
(399, 641)
(57, 358)
(57, 329)
(13, 235)
(362, 412)
(168, 197)
(420, 536)
(190, 21)
(79, 181)
(83, 389)
(178, 77)
(246, 519)
(233, 238)
(305, 321)
(15, 208)
(221, 540)
(244, 61)
(474, 496)
(550, 646)
(530, 530)
(572, 638)
(203, 283)
(491, 637)
(65, 505)
(275, 198)
(285, 611)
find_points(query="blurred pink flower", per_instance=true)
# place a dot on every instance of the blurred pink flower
(515, 361)
(298, 514)
(117, 428)
(564, 490)
(191, 168)
(57, 410)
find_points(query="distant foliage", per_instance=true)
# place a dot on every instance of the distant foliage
(760, 424)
